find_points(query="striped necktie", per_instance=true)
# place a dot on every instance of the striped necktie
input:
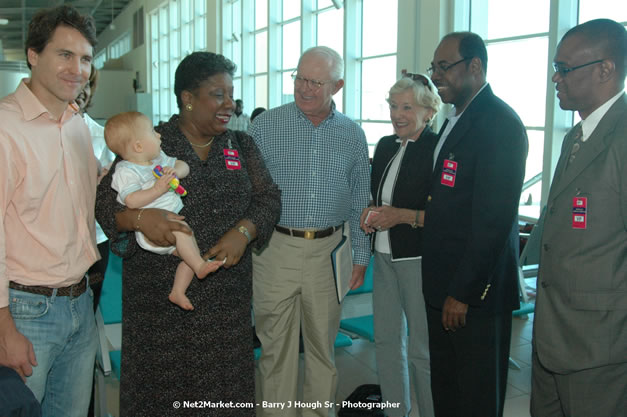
(576, 134)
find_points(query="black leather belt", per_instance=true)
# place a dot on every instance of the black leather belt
(307, 234)
(71, 291)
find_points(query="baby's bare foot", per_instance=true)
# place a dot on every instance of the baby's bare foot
(180, 300)
(207, 267)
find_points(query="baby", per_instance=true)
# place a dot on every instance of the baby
(131, 136)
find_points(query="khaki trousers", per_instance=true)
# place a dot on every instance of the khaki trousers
(293, 289)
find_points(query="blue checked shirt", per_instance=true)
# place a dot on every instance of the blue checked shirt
(323, 171)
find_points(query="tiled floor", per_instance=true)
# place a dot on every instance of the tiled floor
(356, 366)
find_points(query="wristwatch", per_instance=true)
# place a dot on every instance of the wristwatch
(244, 230)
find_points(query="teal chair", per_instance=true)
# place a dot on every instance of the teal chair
(109, 324)
(362, 326)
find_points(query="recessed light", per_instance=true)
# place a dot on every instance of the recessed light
(4, 21)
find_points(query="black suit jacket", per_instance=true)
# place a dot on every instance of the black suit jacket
(470, 241)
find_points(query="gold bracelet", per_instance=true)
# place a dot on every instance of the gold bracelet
(139, 216)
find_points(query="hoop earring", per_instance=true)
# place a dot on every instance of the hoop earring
(189, 107)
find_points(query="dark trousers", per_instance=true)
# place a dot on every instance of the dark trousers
(16, 399)
(469, 366)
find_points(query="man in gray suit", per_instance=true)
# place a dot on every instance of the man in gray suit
(580, 327)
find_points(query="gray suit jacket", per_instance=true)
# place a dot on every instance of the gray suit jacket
(581, 307)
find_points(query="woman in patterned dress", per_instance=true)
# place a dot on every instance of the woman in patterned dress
(169, 355)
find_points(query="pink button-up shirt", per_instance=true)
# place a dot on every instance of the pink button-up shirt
(47, 195)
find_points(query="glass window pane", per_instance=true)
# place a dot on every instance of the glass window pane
(154, 26)
(291, 8)
(291, 45)
(200, 7)
(237, 89)
(163, 20)
(521, 86)
(287, 95)
(200, 34)
(261, 91)
(609, 9)
(261, 52)
(380, 21)
(331, 30)
(186, 12)
(261, 14)
(531, 16)
(536, 151)
(174, 43)
(374, 132)
(322, 3)
(174, 15)
(530, 210)
(378, 76)
(338, 98)
(186, 39)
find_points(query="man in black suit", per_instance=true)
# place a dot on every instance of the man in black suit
(470, 256)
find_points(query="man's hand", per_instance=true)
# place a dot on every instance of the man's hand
(357, 279)
(158, 228)
(16, 351)
(453, 314)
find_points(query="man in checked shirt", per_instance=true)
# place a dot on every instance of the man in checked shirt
(319, 159)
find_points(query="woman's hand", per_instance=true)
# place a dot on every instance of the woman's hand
(158, 225)
(386, 218)
(229, 248)
(366, 227)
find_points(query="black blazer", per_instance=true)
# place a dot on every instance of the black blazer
(470, 239)
(411, 187)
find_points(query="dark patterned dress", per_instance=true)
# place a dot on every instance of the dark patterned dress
(171, 355)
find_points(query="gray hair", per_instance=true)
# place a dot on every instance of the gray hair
(425, 97)
(337, 63)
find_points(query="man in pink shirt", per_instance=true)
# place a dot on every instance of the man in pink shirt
(47, 236)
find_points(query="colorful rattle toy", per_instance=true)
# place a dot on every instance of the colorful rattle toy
(175, 184)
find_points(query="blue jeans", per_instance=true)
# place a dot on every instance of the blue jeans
(64, 336)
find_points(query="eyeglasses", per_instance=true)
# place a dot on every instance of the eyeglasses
(311, 84)
(564, 70)
(442, 68)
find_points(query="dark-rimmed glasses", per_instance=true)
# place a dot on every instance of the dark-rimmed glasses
(564, 70)
(442, 68)
(311, 84)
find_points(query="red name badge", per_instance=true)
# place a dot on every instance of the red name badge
(580, 212)
(449, 171)
(231, 158)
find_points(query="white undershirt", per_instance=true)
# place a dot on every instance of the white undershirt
(452, 120)
(382, 242)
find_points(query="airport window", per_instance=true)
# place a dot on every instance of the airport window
(266, 46)
(177, 28)
(120, 47)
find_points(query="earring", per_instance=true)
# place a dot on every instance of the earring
(189, 107)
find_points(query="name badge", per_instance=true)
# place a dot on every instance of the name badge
(449, 171)
(231, 158)
(580, 212)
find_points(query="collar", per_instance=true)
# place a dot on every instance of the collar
(330, 116)
(592, 121)
(32, 108)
